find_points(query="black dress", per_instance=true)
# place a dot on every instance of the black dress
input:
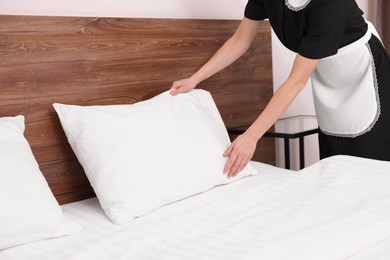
(351, 84)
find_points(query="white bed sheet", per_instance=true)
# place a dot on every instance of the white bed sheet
(338, 208)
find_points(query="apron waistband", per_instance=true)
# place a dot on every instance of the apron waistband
(353, 46)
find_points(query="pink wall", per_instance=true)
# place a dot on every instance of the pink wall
(216, 9)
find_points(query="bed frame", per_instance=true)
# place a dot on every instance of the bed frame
(99, 61)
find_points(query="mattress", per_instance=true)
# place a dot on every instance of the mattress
(338, 208)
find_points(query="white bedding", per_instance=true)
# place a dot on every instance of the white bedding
(338, 208)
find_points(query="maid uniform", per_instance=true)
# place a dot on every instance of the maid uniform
(351, 84)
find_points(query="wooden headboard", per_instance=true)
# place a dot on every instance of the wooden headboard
(99, 61)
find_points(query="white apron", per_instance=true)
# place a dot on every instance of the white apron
(345, 90)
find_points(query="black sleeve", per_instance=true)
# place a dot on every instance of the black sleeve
(255, 10)
(327, 20)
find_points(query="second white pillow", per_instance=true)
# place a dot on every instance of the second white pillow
(29, 211)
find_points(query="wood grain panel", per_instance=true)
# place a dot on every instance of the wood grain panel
(100, 61)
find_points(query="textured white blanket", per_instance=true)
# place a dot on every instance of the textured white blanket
(331, 210)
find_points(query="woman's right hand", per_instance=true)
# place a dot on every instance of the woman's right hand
(183, 86)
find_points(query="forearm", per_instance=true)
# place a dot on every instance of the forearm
(300, 74)
(243, 147)
(226, 55)
(275, 108)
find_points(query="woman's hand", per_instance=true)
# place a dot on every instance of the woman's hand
(183, 86)
(240, 152)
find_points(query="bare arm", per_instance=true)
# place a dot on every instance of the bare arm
(233, 49)
(242, 149)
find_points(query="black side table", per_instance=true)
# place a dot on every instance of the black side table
(289, 128)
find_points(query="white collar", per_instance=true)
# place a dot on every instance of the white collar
(297, 5)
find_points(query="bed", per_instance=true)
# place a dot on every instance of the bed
(338, 208)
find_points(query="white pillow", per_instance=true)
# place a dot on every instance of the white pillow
(29, 211)
(140, 157)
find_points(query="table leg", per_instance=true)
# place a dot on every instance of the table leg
(286, 153)
(301, 152)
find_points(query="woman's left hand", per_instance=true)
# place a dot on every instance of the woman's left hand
(240, 152)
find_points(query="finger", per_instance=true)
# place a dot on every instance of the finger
(229, 150)
(177, 84)
(175, 88)
(241, 167)
(176, 91)
(234, 169)
(229, 164)
(244, 162)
